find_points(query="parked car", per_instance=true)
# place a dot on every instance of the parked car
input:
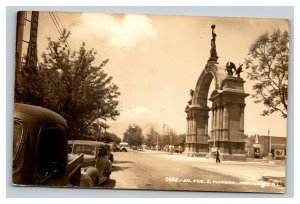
(178, 149)
(95, 155)
(124, 147)
(109, 148)
(40, 154)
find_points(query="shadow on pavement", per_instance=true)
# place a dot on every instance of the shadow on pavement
(122, 162)
(120, 168)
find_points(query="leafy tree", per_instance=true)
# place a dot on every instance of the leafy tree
(166, 140)
(71, 84)
(179, 140)
(152, 138)
(133, 135)
(110, 137)
(268, 65)
(169, 137)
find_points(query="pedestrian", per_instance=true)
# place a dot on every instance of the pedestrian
(180, 149)
(218, 156)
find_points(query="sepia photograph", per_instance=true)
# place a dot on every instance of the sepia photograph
(150, 102)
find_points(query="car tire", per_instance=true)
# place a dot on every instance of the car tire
(107, 174)
(96, 182)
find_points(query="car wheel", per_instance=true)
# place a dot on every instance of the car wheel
(96, 182)
(107, 174)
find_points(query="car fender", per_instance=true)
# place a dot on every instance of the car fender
(93, 173)
(89, 177)
(108, 166)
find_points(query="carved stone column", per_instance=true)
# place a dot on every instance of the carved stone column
(212, 122)
(242, 117)
(225, 121)
(197, 119)
(220, 121)
(216, 122)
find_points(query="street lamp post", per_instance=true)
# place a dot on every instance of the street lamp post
(270, 144)
(157, 142)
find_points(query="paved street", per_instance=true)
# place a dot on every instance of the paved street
(161, 171)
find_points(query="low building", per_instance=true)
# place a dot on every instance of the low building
(259, 146)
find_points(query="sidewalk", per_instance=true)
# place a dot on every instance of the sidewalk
(248, 171)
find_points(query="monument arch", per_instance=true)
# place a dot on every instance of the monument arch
(227, 111)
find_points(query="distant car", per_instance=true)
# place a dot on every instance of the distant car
(124, 147)
(96, 155)
(166, 148)
(116, 148)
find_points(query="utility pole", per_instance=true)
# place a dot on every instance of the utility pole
(270, 144)
(31, 55)
(31, 58)
(156, 142)
(19, 43)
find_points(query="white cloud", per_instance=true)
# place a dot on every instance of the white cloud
(119, 31)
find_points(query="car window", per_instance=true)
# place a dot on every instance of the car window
(102, 151)
(18, 135)
(84, 148)
(70, 147)
(51, 150)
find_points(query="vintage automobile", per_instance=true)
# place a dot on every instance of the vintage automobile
(110, 149)
(40, 154)
(95, 155)
(124, 147)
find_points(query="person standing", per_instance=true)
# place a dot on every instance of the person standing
(218, 156)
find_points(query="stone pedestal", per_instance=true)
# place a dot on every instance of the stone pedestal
(227, 128)
(197, 131)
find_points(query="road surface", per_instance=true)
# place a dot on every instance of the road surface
(161, 171)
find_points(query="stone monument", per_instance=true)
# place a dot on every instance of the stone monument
(228, 104)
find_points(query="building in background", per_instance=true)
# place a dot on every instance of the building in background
(259, 146)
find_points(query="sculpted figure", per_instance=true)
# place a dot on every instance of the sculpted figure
(229, 67)
(239, 70)
(213, 49)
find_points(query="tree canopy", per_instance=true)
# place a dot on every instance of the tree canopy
(110, 137)
(268, 67)
(133, 135)
(171, 138)
(152, 138)
(71, 84)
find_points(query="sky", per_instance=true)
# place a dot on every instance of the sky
(155, 60)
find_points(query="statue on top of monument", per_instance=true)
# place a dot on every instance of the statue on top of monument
(213, 48)
(239, 70)
(231, 66)
(190, 101)
(191, 94)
